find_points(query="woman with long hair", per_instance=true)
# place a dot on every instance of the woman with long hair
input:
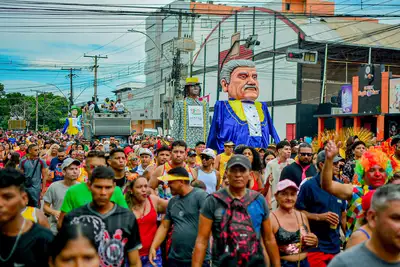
(74, 245)
(146, 208)
(12, 160)
(51, 153)
(255, 183)
(357, 150)
(291, 227)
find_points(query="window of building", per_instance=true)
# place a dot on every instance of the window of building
(287, 6)
(206, 23)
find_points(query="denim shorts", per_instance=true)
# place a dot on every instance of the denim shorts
(303, 263)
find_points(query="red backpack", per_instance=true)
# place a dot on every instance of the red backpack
(238, 238)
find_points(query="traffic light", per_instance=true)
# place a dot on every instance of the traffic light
(302, 56)
(252, 41)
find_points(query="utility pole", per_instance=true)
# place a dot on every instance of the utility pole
(95, 73)
(37, 110)
(71, 76)
(176, 71)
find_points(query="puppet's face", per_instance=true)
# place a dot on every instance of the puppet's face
(74, 113)
(193, 90)
(243, 84)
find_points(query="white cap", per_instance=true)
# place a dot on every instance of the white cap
(208, 152)
(145, 151)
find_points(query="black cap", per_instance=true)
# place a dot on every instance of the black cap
(191, 153)
(321, 157)
(239, 160)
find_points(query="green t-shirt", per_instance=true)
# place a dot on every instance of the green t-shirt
(79, 195)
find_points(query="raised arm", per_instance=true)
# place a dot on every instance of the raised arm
(342, 191)
(153, 183)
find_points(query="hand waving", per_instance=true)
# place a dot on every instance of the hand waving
(331, 149)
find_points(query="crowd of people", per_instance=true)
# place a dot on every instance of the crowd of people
(108, 106)
(158, 202)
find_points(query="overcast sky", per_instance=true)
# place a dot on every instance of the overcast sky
(31, 57)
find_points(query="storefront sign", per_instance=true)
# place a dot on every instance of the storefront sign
(347, 98)
(369, 93)
(394, 96)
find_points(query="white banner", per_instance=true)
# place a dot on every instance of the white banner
(196, 116)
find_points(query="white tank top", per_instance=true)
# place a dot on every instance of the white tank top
(209, 179)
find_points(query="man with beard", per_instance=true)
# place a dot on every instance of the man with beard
(372, 171)
(191, 115)
(178, 159)
(163, 155)
(241, 119)
(183, 216)
(302, 167)
(383, 248)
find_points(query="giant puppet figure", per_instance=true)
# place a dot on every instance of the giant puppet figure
(241, 119)
(73, 124)
(191, 115)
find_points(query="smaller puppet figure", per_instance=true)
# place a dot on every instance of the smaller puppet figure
(72, 125)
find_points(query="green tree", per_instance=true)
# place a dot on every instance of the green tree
(53, 109)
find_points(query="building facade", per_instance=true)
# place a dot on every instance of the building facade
(292, 90)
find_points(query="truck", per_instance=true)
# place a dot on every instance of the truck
(100, 125)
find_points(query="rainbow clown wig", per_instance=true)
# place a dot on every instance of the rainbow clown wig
(373, 156)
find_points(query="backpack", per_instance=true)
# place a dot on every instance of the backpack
(238, 238)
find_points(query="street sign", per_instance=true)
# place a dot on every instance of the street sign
(302, 56)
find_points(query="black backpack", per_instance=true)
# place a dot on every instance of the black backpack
(238, 237)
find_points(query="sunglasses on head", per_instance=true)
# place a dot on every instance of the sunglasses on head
(306, 154)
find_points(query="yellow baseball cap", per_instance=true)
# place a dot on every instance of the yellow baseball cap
(175, 174)
(168, 177)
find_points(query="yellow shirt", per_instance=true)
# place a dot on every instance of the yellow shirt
(29, 213)
(224, 158)
(83, 176)
(198, 161)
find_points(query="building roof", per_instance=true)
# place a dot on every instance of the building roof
(346, 31)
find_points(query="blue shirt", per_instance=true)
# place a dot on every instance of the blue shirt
(313, 199)
(55, 166)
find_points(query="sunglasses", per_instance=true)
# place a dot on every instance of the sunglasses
(306, 154)
(205, 157)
